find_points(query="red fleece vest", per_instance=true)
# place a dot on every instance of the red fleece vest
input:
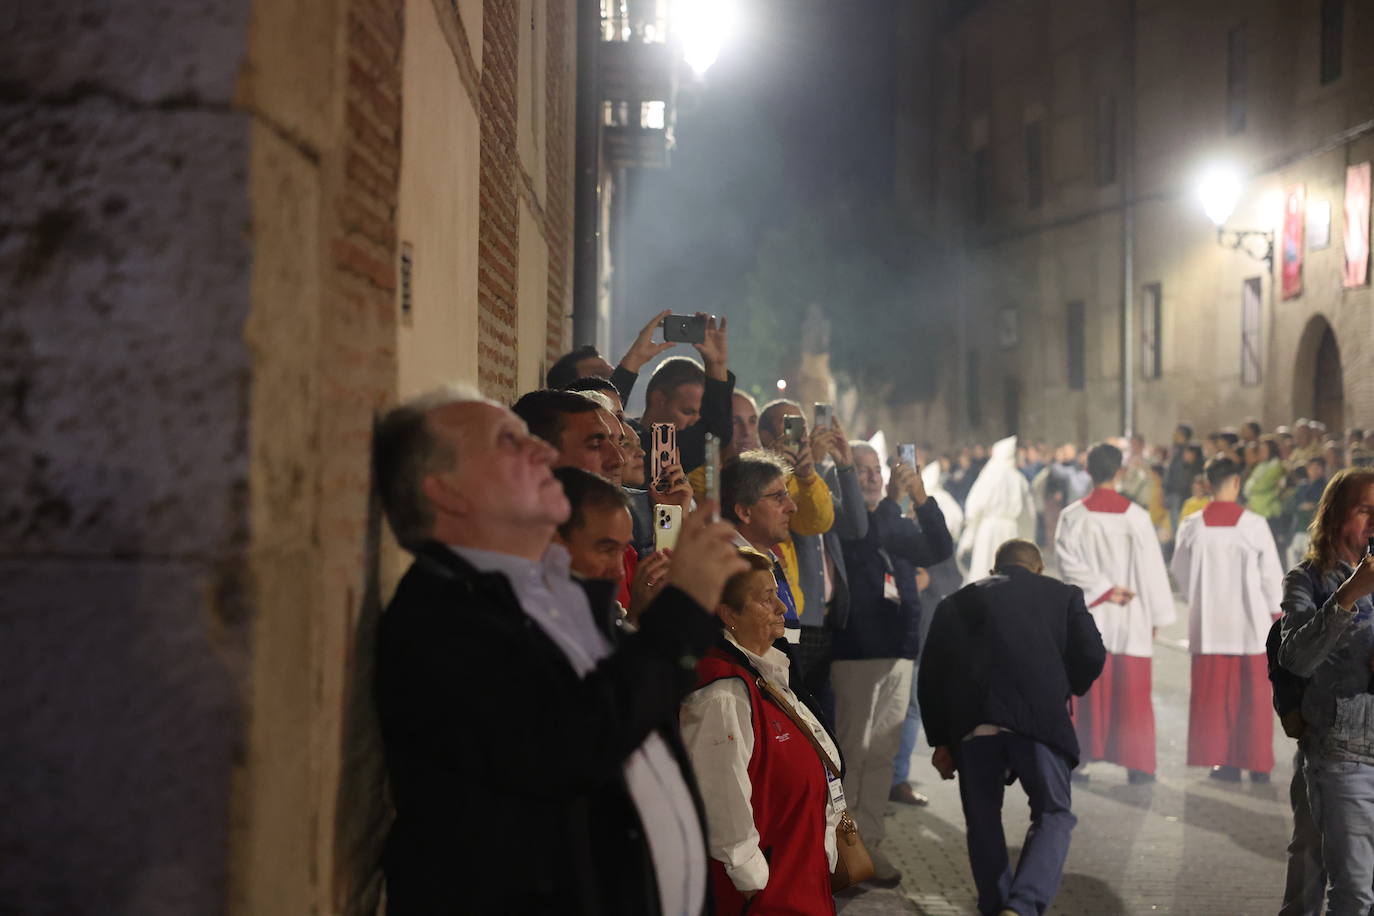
(789, 801)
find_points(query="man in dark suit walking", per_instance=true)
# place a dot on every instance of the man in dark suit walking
(1002, 658)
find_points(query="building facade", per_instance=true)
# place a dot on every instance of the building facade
(232, 234)
(1091, 294)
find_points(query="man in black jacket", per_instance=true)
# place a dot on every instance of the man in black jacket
(1002, 657)
(533, 769)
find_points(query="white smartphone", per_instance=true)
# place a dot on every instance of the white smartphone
(823, 415)
(667, 525)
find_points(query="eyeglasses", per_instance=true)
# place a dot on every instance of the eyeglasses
(777, 496)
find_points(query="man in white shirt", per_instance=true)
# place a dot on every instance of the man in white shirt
(508, 721)
(1227, 566)
(1106, 545)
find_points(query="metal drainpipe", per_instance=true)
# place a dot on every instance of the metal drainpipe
(1127, 128)
(587, 152)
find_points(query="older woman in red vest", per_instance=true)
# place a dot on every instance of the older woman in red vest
(769, 812)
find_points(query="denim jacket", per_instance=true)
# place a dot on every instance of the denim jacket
(1332, 648)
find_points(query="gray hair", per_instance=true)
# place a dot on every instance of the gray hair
(859, 445)
(743, 480)
(599, 399)
(406, 450)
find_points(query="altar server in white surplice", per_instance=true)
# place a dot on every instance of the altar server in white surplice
(1106, 545)
(998, 509)
(1228, 568)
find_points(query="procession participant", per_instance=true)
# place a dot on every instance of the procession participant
(998, 508)
(1227, 568)
(1106, 545)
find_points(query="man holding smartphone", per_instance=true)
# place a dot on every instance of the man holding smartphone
(694, 399)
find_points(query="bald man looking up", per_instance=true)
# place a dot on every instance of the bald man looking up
(1003, 656)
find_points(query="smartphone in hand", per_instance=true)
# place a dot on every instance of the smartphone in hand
(794, 430)
(664, 446)
(906, 454)
(823, 414)
(685, 328)
(667, 526)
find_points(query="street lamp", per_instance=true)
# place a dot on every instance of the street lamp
(1219, 189)
(703, 26)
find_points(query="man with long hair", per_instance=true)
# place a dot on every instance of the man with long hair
(1328, 638)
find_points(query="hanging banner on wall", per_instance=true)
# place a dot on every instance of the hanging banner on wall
(1357, 225)
(1294, 209)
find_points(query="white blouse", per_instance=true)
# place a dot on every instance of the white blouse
(718, 730)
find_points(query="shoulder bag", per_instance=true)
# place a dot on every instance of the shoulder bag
(852, 861)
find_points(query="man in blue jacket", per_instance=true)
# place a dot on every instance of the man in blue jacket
(873, 655)
(1002, 657)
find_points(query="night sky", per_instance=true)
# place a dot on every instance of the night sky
(798, 105)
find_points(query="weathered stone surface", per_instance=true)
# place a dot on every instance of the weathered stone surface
(123, 253)
(168, 52)
(119, 712)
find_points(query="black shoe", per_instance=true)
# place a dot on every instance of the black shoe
(1225, 774)
(887, 883)
(902, 793)
(1139, 777)
(1259, 778)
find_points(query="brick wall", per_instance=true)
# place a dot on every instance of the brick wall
(498, 229)
(560, 135)
(359, 374)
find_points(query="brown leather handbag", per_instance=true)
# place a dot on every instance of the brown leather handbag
(852, 861)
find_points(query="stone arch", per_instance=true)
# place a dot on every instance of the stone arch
(1318, 381)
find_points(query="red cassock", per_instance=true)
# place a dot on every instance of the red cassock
(789, 799)
(1103, 541)
(1228, 568)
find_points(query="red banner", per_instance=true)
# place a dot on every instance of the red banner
(1294, 213)
(1357, 225)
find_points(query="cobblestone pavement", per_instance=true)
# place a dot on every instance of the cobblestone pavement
(1186, 845)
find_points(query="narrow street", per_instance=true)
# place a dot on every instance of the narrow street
(1186, 846)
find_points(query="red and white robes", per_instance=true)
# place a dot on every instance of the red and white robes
(1104, 541)
(1227, 566)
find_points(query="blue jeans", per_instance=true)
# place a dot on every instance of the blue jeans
(911, 728)
(1044, 775)
(1306, 884)
(1341, 795)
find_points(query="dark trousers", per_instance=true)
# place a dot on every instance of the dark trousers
(812, 658)
(1044, 774)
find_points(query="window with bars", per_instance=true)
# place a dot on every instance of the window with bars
(1332, 32)
(1035, 166)
(1236, 78)
(982, 185)
(1105, 145)
(973, 391)
(1250, 308)
(1075, 334)
(1151, 327)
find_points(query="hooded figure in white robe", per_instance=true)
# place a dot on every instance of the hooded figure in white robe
(931, 477)
(999, 507)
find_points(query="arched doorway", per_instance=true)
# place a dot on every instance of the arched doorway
(1318, 382)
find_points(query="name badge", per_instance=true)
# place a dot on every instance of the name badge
(836, 792)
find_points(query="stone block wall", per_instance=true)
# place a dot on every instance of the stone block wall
(199, 243)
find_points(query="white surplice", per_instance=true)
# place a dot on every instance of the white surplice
(998, 508)
(1232, 580)
(1100, 550)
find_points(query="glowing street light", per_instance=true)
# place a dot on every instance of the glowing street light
(703, 27)
(1219, 189)
(782, 384)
